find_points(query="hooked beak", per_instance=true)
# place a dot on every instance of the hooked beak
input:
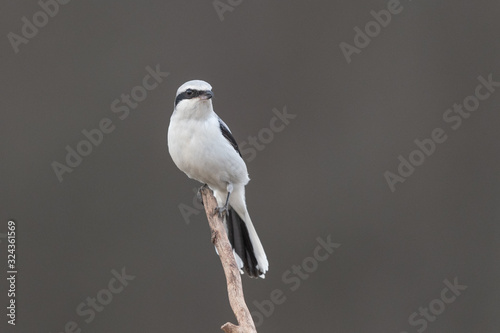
(206, 94)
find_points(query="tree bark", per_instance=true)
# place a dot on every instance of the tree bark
(233, 278)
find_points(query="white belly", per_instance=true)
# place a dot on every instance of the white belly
(202, 153)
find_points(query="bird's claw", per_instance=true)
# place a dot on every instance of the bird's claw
(200, 196)
(221, 211)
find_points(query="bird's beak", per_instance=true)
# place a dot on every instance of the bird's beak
(207, 95)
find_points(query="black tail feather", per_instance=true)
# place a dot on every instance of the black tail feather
(240, 241)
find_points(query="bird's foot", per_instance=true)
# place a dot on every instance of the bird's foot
(221, 210)
(200, 196)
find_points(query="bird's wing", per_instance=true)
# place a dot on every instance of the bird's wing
(226, 132)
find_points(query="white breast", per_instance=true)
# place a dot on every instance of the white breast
(199, 149)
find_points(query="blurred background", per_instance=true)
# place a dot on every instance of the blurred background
(126, 210)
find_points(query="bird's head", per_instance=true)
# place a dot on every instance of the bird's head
(194, 96)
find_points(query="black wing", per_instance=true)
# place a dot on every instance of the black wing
(227, 134)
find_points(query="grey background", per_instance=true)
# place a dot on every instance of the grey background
(322, 175)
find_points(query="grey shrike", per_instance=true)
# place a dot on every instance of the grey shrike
(202, 146)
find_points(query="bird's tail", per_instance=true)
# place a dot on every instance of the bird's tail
(248, 250)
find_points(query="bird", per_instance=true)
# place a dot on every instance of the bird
(203, 147)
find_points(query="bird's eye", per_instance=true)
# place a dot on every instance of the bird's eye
(189, 92)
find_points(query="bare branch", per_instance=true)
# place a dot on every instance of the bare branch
(233, 278)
